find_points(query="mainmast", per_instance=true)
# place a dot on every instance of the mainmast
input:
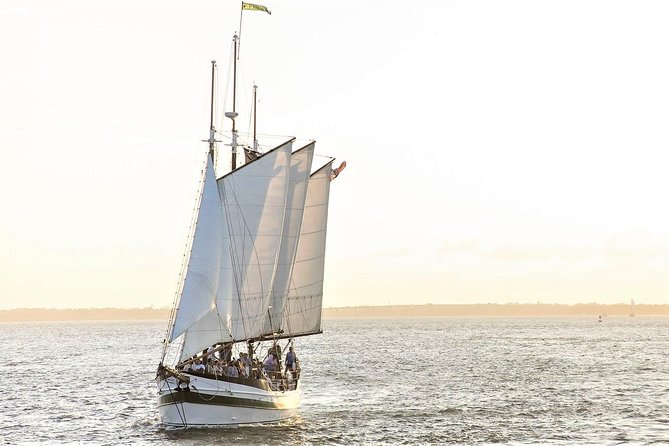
(233, 114)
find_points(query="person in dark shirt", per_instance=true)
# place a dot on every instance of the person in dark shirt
(291, 359)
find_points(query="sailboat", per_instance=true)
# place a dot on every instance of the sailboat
(631, 307)
(251, 285)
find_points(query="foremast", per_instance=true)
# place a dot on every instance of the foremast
(210, 163)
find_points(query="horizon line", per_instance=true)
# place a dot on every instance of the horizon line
(151, 307)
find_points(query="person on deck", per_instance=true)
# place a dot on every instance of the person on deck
(291, 359)
(270, 364)
(232, 370)
(199, 367)
(210, 365)
(246, 363)
(255, 369)
(275, 350)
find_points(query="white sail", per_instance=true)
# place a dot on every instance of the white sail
(302, 312)
(213, 327)
(254, 200)
(300, 167)
(208, 330)
(200, 284)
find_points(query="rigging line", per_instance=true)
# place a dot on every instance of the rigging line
(247, 230)
(227, 82)
(233, 267)
(286, 306)
(299, 301)
(253, 105)
(221, 325)
(305, 285)
(278, 251)
(181, 412)
(186, 257)
(180, 350)
(215, 112)
(316, 231)
(218, 386)
(243, 95)
(306, 305)
(301, 304)
(233, 257)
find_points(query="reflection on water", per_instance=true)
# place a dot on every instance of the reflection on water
(415, 381)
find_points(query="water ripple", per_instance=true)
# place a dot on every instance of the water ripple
(367, 381)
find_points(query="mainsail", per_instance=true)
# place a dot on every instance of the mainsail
(254, 197)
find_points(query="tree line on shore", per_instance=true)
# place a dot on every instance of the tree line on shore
(426, 310)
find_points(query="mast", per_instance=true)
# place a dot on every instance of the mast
(255, 105)
(182, 275)
(233, 114)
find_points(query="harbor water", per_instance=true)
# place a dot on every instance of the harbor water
(365, 381)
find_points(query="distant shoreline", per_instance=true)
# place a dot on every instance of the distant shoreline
(388, 311)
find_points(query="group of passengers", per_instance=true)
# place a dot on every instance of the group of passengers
(219, 362)
(216, 366)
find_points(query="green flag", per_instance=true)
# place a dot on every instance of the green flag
(254, 7)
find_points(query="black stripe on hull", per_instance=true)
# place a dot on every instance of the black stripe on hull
(214, 400)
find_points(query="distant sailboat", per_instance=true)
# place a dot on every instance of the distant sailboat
(632, 308)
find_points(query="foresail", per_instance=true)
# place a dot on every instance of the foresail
(200, 284)
(300, 167)
(208, 330)
(254, 200)
(302, 312)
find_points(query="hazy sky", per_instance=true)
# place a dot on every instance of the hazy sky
(498, 151)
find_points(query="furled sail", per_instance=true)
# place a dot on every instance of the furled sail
(254, 201)
(200, 284)
(300, 167)
(250, 155)
(302, 312)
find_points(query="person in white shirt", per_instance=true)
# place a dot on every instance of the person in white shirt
(232, 370)
(199, 367)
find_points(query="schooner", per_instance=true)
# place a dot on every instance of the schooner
(252, 282)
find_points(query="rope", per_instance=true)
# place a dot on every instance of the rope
(182, 411)
(185, 259)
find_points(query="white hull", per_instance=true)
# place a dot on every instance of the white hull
(211, 402)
